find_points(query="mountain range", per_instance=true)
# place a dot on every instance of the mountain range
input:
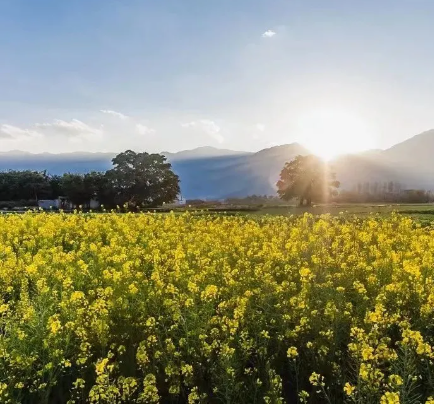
(211, 173)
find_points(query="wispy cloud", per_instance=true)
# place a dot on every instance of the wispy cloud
(116, 114)
(10, 132)
(142, 129)
(268, 34)
(75, 130)
(207, 126)
(131, 122)
(65, 134)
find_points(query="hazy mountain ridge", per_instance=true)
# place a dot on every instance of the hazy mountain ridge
(203, 152)
(208, 172)
(56, 163)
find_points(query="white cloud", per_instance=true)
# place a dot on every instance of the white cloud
(260, 126)
(16, 133)
(131, 123)
(142, 129)
(75, 130)
(90, 134)
(116, 114)
(207, 126)
(268, 34)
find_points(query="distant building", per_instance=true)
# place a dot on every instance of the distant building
(51, 203)
(94, 204)
(62, 202)
(174, 204)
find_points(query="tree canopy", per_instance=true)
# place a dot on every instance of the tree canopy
(307, 178)
(143, 179)
(24, 185)
(79, 188)
(136, 178)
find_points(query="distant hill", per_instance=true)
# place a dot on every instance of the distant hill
(78, 162)
(202, 152)
(212, 173)
(416, 153)
(234, 175)
(409, 162)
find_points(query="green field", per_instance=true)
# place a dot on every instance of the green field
(421, 212)
(356, 209)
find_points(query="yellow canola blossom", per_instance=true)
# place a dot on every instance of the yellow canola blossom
(200, 308)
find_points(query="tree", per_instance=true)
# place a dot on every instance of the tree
(78, 188)
(307, 178)
(142, 178)
(390, 187)
(24, 185)
(56, 186)
(103, 188)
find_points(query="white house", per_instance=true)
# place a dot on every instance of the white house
(49, 203)
(63, 203)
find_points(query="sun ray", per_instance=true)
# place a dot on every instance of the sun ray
(331, 132)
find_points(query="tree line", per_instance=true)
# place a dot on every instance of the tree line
(147, 180)
(387, 192)
(309, 179)
(139, 179)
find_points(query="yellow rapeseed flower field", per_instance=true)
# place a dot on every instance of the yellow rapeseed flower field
(183, 308)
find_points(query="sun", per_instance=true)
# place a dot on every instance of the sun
(328, 132)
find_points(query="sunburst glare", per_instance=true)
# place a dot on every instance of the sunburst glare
(328, 132)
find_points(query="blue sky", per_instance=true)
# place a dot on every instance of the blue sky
(107, 75)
